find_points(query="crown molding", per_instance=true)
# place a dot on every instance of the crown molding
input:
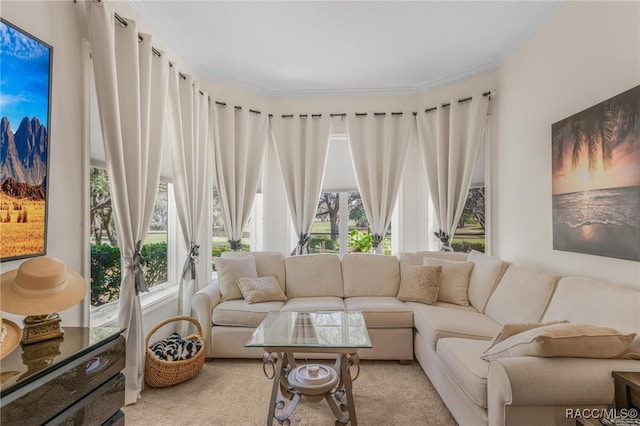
(382, 91)
(462, 74)
(532, 28)
(233, 82)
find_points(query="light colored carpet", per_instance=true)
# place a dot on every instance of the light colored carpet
(236, 392)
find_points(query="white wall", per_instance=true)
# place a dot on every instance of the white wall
(588, 52)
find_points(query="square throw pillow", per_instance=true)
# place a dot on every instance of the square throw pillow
(454, 280)
(419, 284)
(261, 289)
(563, 340)
(229, 270)
(508, 330)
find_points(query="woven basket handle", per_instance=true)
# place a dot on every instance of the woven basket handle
(169, 320)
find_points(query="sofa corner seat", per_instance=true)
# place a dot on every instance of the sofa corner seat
(446, 339)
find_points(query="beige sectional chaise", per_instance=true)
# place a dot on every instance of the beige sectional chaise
(447, 339)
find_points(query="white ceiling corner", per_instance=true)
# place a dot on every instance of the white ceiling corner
(314, 48)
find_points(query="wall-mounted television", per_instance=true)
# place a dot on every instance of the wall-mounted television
(25, 115)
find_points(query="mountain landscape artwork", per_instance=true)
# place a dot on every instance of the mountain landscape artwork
(25, 67)
(596, 179)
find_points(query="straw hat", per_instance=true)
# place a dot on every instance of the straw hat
(10, 336)
(41, 286)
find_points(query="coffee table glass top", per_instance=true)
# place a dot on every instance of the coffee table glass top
(327, 330)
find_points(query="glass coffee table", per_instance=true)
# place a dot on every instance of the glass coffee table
(283, 334)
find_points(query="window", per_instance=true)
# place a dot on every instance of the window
(159, 252)
(471, 231)
(337, 229)
(327, 234)
(220, 242)
(105, 251)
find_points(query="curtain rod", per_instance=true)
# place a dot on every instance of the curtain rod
(379, 114)
(238, 108)
(485, 94)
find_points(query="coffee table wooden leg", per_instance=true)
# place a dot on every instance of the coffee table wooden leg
(345, 362)
(348, 386)
(274, 390)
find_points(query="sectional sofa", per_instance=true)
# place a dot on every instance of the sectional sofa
(481, 300)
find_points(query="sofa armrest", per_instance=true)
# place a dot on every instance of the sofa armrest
(535, 381)
(202, 305)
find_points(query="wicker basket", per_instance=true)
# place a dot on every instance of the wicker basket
(159, 373)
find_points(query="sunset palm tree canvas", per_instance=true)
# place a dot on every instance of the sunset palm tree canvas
(596, 179)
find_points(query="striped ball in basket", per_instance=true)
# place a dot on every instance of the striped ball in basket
(159, 373)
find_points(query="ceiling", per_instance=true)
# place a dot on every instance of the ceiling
(292, 48)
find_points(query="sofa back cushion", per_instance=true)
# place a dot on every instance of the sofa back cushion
(484, 277)
(522, 295)
(229, 270)
(314, 275)
(588, 301)
(416, 257)
(370, 275)
(267, 263)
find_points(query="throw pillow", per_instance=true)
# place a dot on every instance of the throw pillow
(508, 330)
(229, 270)
(419, 284)
(454, 281)
(261, 289)
(563, 340)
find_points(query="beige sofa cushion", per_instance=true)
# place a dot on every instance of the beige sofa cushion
(461, 358)
(563, 340)
(261, 289)
(417, 257)
(444, 320)
(314, 275)
(522, 295)
(588, 301)
(314, 304)
(485, 275)
(229, 270)
(239, 313)
(420, 284)
(508, 330)
(267, 263)
(381, 311)
(370, 275)
(454, 280)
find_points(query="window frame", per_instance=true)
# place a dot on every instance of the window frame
(158, 295)
(343, 213)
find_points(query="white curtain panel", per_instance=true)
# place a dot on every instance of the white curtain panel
(190, 139)
(131, 86)
(450, 139)
(239, 145)
(302, 146)
(378, 145)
